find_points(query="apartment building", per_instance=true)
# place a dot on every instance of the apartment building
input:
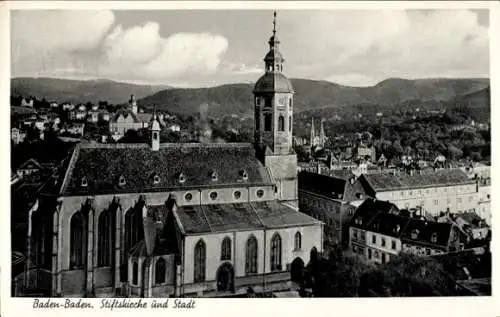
(434, 190)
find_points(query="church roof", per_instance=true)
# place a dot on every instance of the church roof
(273, 82)
(135, 168)
(242, 216)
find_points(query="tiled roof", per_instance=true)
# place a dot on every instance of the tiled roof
(274, 215)
(387, 181)
(322, 184)
(367, 211)
(384, 218)
(425, 231)
(242, 216)
(125, 113)
(145, 117)
(102, 166)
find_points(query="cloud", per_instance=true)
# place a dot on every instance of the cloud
(373, 45)
(65, 43)
(354, 47)
(46, 40)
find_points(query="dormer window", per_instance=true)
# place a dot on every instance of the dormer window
(121, 181)
(84, 182)
(244, 174)
(434, 238)
(156, 179)
(414, 234)
(181, 178)
(397, 229)
(213, 175)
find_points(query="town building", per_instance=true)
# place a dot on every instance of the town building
(192, 219)
(126, 119)
(379, 232)
(473, 225)
(435, 190)
(331, 200)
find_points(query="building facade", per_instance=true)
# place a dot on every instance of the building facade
(126, 119)
(379, 232)
(331, 200)
(434, 191)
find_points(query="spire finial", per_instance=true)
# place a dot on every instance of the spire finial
(274, 23)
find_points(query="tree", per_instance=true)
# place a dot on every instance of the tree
(408, 275)
(337, 276)
(454, 152)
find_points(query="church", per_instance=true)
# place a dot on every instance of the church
(183, 219)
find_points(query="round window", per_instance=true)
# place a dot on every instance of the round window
(260, 193)
(237, 194)
(213, 195)
(188, 196)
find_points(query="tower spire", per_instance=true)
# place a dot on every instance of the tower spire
(274, 23)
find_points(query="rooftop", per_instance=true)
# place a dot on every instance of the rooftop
(388, 181)
(133, 168)
(240, 216)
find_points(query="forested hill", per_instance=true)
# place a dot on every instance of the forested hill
(79, 91)
(312, 94)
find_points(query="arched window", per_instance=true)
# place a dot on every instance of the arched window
(251, 256)
(134, 231)
(298, 241)
(78, 241)
(281, 123)
(276, 253)
(105, 233)
(160, 271)
(135, 273)
(290, 123)
(199, 261)
(290, 103)
(434, 238)
(268, 122)
(225, 253)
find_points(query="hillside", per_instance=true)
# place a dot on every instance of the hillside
(311, 94)
(237, 98)
(476, 104)
(77, 91)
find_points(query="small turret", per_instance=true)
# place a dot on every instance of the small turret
(155, 129)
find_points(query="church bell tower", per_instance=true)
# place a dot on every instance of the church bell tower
(273, 101)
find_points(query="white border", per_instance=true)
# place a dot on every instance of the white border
(456, 307)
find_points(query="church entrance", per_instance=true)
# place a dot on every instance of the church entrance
(225, 278)
(297, 270)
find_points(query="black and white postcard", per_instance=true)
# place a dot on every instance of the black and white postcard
(259, 157)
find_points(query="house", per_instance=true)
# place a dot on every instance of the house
(473, 225)
(435, 191)
(379, 231)
(174, 128)
(27, 103)
(68, 106)
(127, 118)
(93, 116)
(17, 136)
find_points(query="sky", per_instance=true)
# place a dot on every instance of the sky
(193, 48)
